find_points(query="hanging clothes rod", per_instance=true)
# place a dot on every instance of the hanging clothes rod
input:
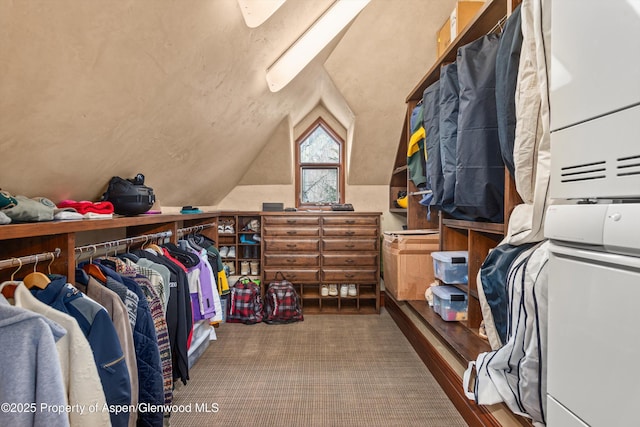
(128, 241)
(499, 25)
(194, 229)
(29, 259)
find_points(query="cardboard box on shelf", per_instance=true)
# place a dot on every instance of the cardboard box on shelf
(407, 263)
(461, 15)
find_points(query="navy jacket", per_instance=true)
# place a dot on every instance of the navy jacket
(145, 341)
(102, 336)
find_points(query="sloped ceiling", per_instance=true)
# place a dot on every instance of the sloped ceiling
(176, 90)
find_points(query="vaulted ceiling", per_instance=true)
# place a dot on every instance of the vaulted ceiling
(176, 89)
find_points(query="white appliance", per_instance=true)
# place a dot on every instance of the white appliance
(594, 292)
(594, 267)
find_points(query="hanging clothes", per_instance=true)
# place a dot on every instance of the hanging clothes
(98, 328)
(416, 160)
(150, 389)
(179, 316)
(159, 321)
(435, 178)
(479, 189)
(79, 372)
(118, 314)
(30, 367)
(507, 63)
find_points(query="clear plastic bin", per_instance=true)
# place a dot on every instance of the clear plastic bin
(450, 303)
(451, 266)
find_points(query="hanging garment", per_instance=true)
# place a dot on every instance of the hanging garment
(479, 189)
(98, 328)
(179, 316)
(532, 145)
(507, 63)
(431, 103)
(492, 291)
(77, 366)
(159, 322)
(516, 373)
(449, 104)
(30, 368)
(118, 314)
(164, 272)
(416, 160)
(150, 390)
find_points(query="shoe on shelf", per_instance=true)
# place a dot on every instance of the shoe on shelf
(343, 291)
(333, 290)
(254, 225)
(244, 238)
(353, 292)
(246, 252)
(228, 229)
(256, 237)
(324, 291)
(224, 251)
(230, 267)
(232, 252)
(244, 268)
(255, 268)
(220, 228)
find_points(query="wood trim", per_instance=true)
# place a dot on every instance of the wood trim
(473, 414)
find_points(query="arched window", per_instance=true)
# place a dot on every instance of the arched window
(320, 166)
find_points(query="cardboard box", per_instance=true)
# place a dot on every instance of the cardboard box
(461, 15)
(407, 262)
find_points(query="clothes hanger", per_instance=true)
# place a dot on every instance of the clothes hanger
(93, 270)
(36, 279)
(8, 289)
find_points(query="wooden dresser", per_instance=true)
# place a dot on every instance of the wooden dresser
(312, 249)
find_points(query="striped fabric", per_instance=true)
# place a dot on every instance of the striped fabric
(245, 305)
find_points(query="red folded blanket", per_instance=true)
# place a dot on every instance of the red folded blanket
(85, 206)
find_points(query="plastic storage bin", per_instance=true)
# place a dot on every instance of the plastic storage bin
(449, 302)
(451, 266)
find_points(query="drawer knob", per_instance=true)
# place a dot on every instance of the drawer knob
(349, 261)
(292, 260)
(350, 221)
(291, 221)
(291, 232)
(350, 246)
(291, 245)
(349, 275)
(350, 233)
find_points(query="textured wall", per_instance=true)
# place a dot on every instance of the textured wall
(176, 90)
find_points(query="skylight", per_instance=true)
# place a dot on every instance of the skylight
(303, 50)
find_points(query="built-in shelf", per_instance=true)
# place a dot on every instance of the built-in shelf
(487, 227)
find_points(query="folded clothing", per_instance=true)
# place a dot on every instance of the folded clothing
(30, 210)
(84, 206)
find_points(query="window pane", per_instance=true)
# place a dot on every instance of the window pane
(320, 185)
(319, 147)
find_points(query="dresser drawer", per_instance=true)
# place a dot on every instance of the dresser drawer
(349, 260)
(292, 231)
(341, 275)
(291, 260)
(350, 220)
(350, 231)
(291, 220)
(292, 245)
(353, 244)
(292, 275)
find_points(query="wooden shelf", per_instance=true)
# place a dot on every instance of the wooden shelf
(398, 211)
(484, 21)
(487, 227)
(463, 341)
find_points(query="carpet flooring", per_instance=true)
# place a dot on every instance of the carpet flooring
(329, 370)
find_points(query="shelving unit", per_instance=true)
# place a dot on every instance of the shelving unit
(314, 249)
(478, 238)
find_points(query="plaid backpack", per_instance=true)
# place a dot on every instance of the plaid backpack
(282, 303)
(245, 303)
